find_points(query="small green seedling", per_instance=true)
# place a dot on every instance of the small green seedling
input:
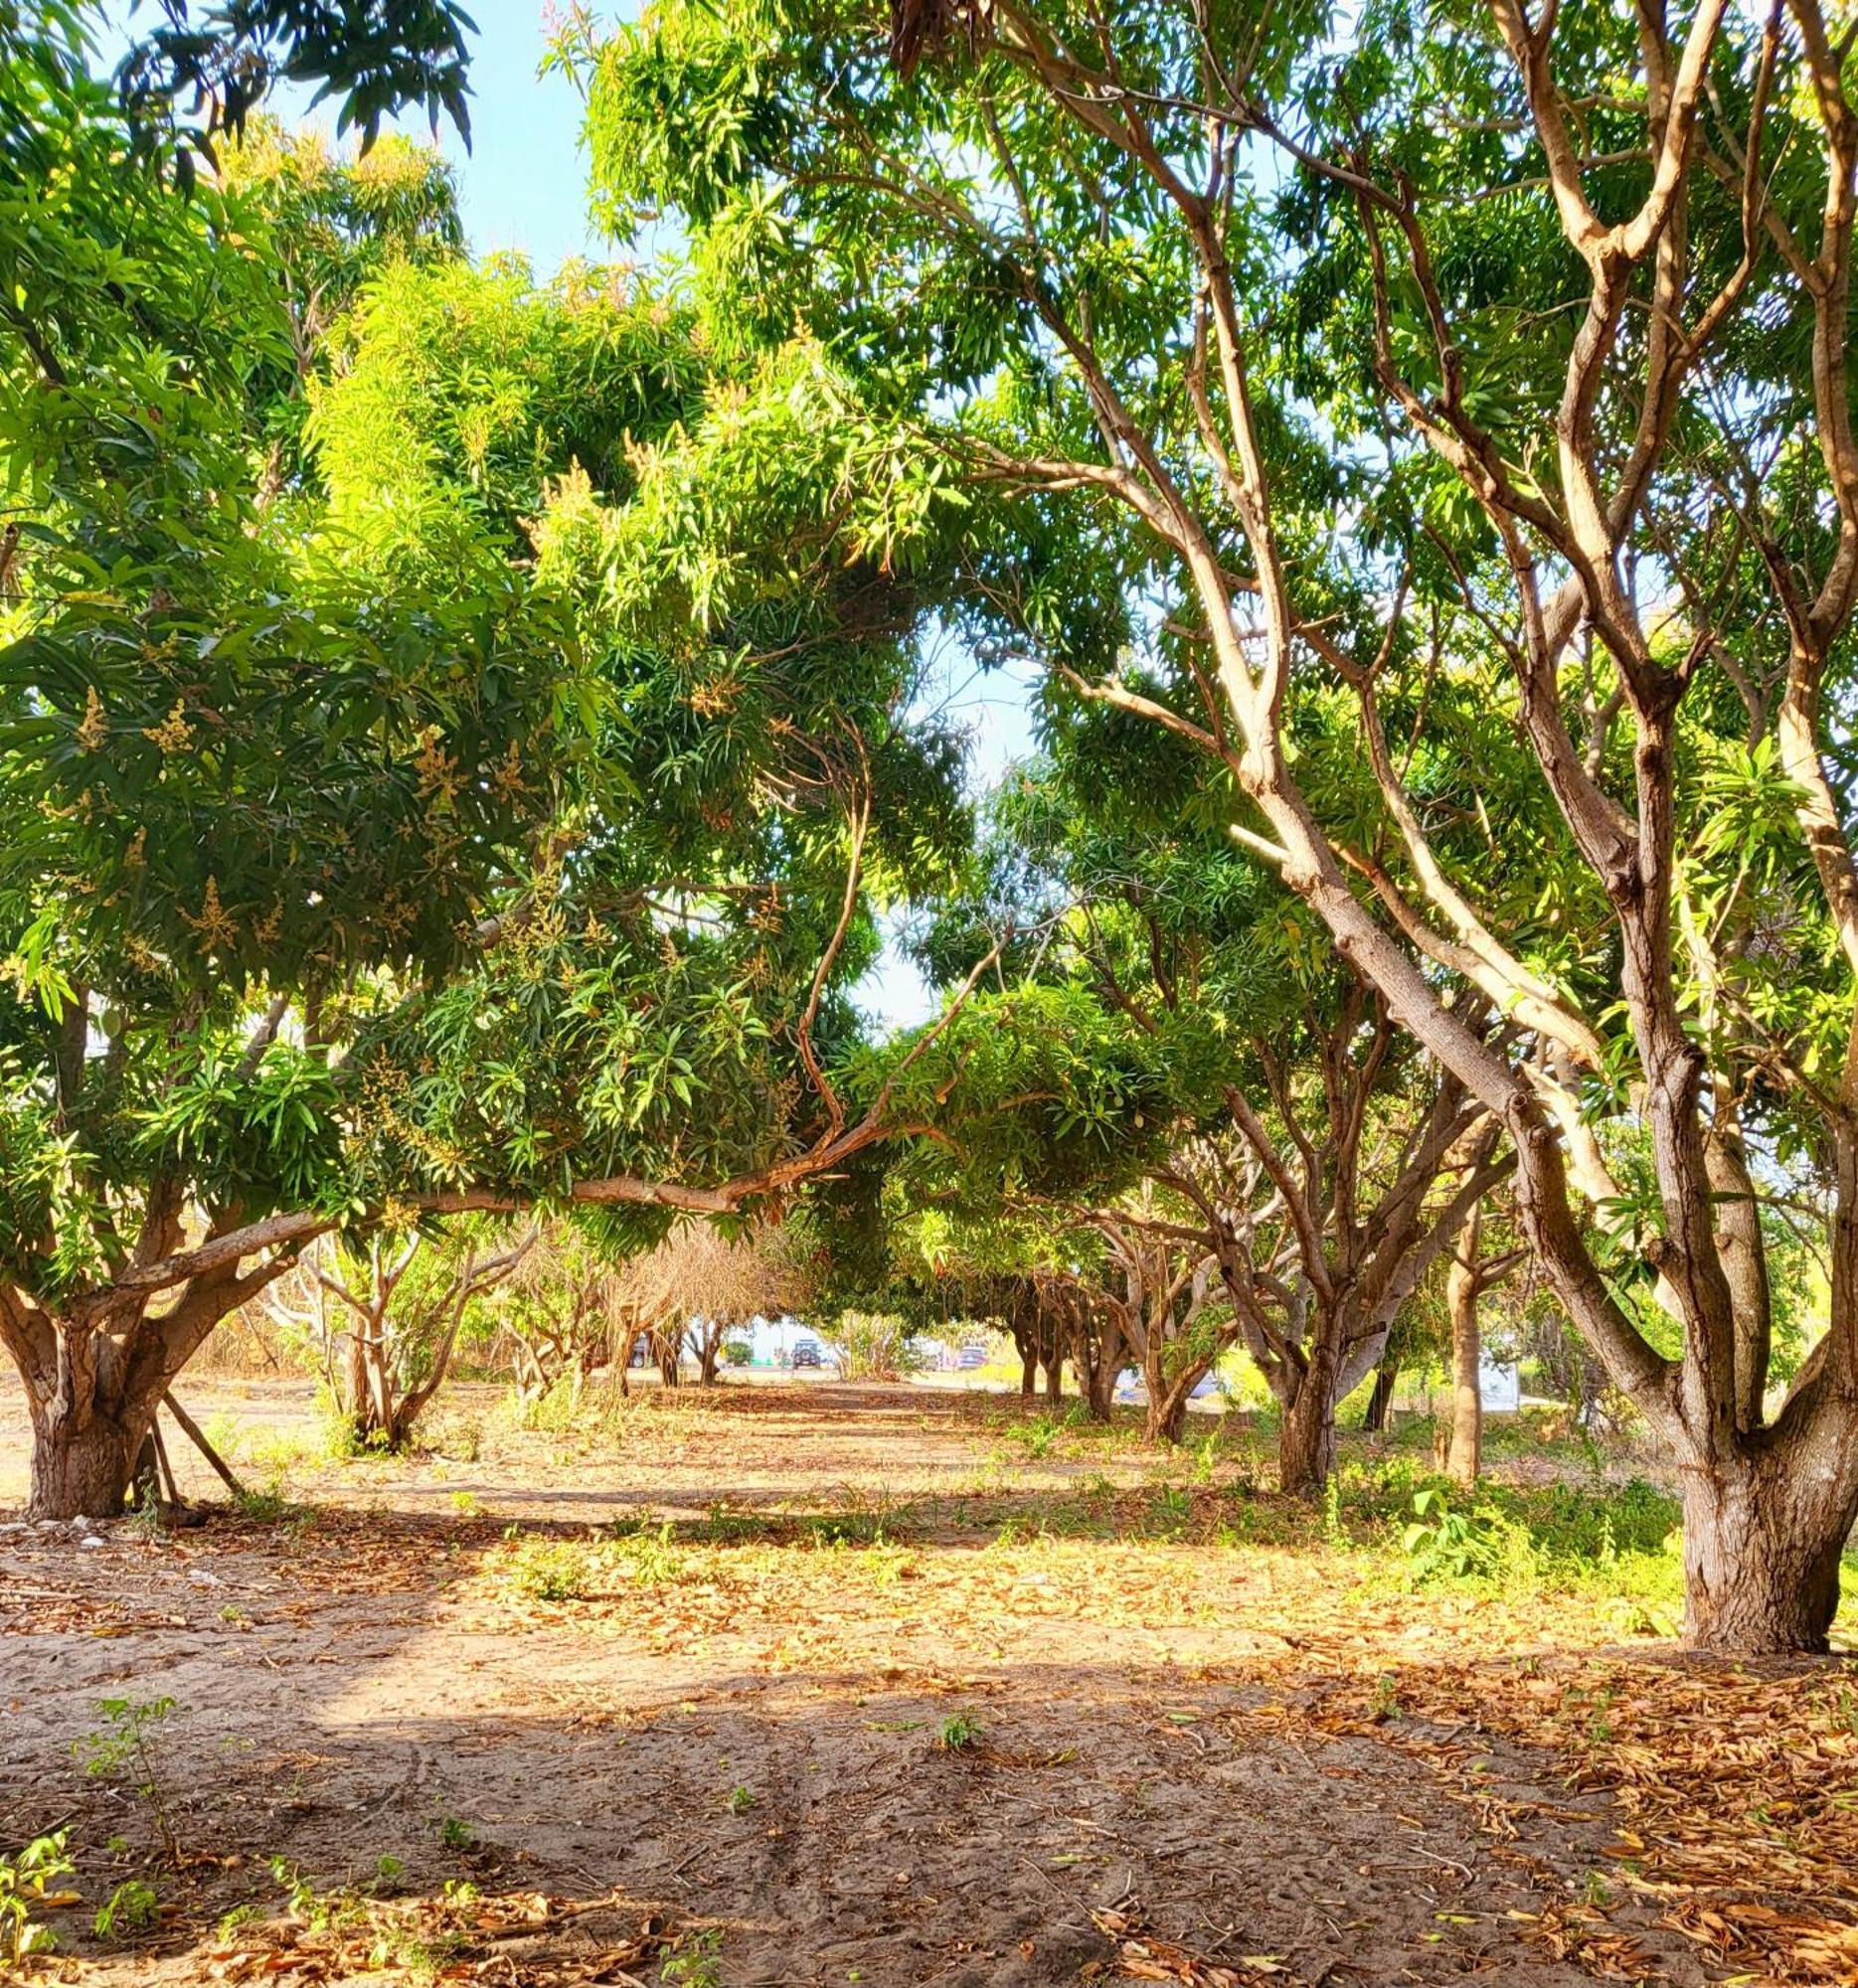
(26, 1884)
(695, 1964)
(959, 1734)
(133, 1908)
(741, 1800)
(128, 1741)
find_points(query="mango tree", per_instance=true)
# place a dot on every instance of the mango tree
(493, 815)
(1392, 356)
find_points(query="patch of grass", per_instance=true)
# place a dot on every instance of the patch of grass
(468, 1504)
(457, 1834)
(1170, 1512)
(652, 1559)
(741, 1800)
(552, 1570)
(1037, 1438)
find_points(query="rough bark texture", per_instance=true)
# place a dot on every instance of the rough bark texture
(1762, 1547)
(80, 1471)
(1307, 1436)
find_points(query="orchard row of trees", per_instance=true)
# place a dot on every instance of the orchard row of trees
(462, 740)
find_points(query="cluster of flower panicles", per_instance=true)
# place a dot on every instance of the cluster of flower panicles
(173, 734)
(93, 731)
(383, 1116)
(216, 925)
(437, 771)
(507, 781)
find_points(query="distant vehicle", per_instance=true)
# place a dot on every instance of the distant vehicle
(971, 1357)
(806, 1353)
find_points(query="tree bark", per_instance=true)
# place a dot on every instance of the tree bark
(1028, 1370)
(80, 1470)
(1762, 1547)
(1167, 1411)
(1306, 1437)
(1464, 1458)
(1385, 1376)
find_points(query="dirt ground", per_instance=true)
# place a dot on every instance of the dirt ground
(812, 1684)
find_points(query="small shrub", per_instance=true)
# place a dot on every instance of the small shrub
(232, 1924)
(127, 1739)
(696, 1962)
(457, 1834)
(875, 1345)
(267, 1506)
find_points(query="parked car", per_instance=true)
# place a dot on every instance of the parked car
(806, 1353)
(971, 1357)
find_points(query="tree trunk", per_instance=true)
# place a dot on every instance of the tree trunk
(1101, 1386)
(1054, 1378)
(1382, 1400)
(1307, 1439)
(1167, 1412)
(1028, 1370)
(1762, 1547)
(1464, 1458)
(80, 1472)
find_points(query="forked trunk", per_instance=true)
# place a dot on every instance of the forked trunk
(1762, 1546)
(1102, 1391)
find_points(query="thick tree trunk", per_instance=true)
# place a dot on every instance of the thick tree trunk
(1762, 1547)
(1028, 1370)
(1306, 1438)
(1054, 1378)
(1464, 1458)
(80, 1473)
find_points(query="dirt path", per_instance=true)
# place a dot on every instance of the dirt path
(728, 1739)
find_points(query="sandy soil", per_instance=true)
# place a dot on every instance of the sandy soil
(717, 1761)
